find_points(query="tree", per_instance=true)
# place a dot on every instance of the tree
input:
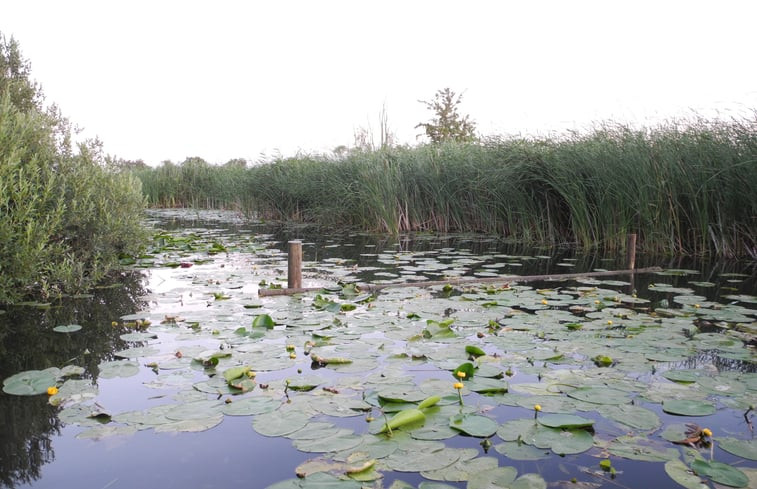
(447, 123)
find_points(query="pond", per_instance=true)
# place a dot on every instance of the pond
(181, 375)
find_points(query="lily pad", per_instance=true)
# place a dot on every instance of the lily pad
(600, 395)
(118, 368)
(679, 472)
(31, 382)
(277, 423)
(685, 407)
(68, 328)
(741, 448)
(473, 425)
(566, 421)
(720, 473)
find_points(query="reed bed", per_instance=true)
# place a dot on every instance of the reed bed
(685, 187)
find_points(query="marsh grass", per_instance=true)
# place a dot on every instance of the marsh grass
(683, 187)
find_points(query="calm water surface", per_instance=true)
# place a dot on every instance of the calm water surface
(39, 450)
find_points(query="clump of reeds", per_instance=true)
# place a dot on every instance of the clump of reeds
(683, 187)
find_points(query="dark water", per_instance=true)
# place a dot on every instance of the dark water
(38, 450)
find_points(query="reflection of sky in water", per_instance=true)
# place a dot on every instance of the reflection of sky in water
(233, 454)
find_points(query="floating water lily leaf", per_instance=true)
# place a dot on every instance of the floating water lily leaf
(499, 478)
(641, 448)
(685, 407)
(277, 423)
(144, 351)
(420, 460)
(250, 406)
(68, 328)
(138, 337)
(193, 425)
(118, 368)
(520, 451)
(463, 468)
(682, 376)
(563, 442)
(403, 418)
(564, 421)
(467, 368)
(31, 382)
(263, 321)
(679, 472)
(741, 448)
(74, 391)
(600, 395)
(341, 439)
(720, 473)
(529, 481)
(235, 372)
(483, 385)
(474, 351)
(636, 417)
(318, 480)
(194, 410)
(473, 425)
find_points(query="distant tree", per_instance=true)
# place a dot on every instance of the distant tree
(15, 77)
(447, 123)
(236, 163)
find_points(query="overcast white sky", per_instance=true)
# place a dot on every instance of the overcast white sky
(163, 80)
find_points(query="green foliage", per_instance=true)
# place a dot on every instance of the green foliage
(194, 183)
(447, 124)
(65, 216)
(682, 187)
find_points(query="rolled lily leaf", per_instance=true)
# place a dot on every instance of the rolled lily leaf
(403, 418)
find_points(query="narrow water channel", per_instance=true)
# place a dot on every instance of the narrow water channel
(148, 393)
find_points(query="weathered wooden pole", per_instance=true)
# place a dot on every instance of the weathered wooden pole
(294, 275)
(631, 251)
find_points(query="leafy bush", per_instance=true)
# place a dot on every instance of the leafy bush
(65, 215)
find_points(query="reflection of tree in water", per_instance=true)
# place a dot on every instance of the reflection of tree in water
(27, 342)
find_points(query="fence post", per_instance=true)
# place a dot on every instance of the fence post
(631, 251)
(294, 259)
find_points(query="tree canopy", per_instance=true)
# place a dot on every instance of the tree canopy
(447, 124)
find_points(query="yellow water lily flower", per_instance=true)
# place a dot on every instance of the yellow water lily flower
(537, 407)
(51, 391)
(458, 385)
(460, 374)
(707, 432)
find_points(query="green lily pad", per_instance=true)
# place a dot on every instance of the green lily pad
(277, 423)
(685, 407)
(741, 448)
(564, 442)
(263, 321)
(642, 449)
(318, 480)
(31, 382)
(68, 328)
(118, 368)
(720, 473)
(473, 425)
(193, 425)
(520, 451)
(567, 421)
(420, 460)
(499, 478)
(679, 472)
(600, 395)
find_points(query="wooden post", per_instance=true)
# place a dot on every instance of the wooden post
(631, 251)
(294, 275)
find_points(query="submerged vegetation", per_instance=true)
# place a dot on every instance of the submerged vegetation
(684, 187)
(65, 216)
